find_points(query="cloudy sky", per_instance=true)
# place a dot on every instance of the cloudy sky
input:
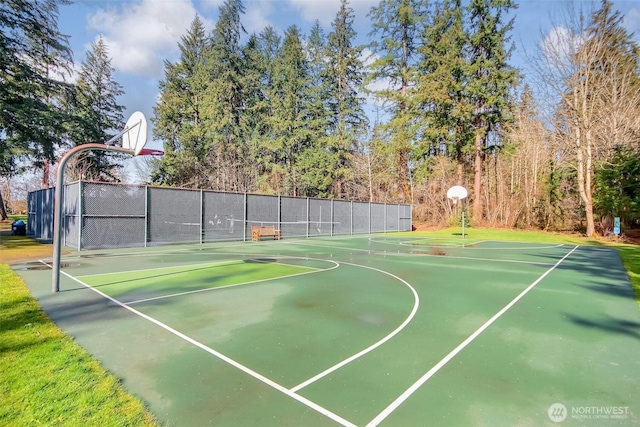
(141, 34)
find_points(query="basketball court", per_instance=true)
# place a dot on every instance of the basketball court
(390, 329)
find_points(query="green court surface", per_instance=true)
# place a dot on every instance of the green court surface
(390, 330)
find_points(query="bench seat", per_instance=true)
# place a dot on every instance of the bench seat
(258, 231)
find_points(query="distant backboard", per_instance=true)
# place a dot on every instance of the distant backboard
(456, 193)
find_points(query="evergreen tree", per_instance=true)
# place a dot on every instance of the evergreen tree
(289, 108)
(223, 101)
(344, 77)
(253, 120)
(441, 94)
(617, 186)
(318, 90)
(398, 24)
(314, 167)
(33, 54)
(267, 159)
(178, 120)
(97, 116)
(490, 81)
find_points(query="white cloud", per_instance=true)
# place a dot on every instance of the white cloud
(559, 46)
(256, 16)
(311, 10)
(139, 35)
(325, 10)
(212, 3)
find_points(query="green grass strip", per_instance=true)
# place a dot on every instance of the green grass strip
(630, 256)
(47, 379)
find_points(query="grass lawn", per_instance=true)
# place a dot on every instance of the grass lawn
(47, 379)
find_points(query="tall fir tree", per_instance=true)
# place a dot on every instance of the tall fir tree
(253, 119)
(270, 45)
(398, 25)
(97, 115)
(178, 118)
(318, 90)
(491, 80)
(344, 76)
(291, 136)
(314, 166)
(446, 112)
(223, 101)
(33, 56)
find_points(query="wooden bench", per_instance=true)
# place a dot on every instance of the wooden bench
(258, 231)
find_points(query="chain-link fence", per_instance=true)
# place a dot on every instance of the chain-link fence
(98, 215)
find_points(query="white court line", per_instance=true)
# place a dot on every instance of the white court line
(175, 267)
(221, 356)
(470, 258)
(372, 347)
(456, 244)
(378, 252)
(404, 396)
(195, 291)
(470, 244)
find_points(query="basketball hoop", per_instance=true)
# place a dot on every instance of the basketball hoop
(135, 133)
(454, 194)
(134, 138)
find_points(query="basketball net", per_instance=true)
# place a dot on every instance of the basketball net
(454, 200)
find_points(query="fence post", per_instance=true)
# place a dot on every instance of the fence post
(331, 220)
(80, 213)
(146, 215)
(201, 216)
(279, 213)
(308, 218)
(244, 224)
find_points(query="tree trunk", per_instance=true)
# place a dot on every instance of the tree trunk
(477, 181)
(45, 173)
(584, 181)
(3, 211)
(404, 176)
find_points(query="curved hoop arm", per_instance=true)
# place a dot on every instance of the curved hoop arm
(59, 194)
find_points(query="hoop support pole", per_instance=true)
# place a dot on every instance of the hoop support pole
(58, 202)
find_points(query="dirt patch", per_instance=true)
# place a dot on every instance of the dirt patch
(632, 236)
(15, 249)
(422, 226)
